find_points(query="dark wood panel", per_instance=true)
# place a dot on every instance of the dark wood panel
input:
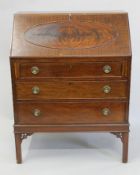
(70, 90)
(72, 128)
(103, 34)
(69, 113)
(70, 70)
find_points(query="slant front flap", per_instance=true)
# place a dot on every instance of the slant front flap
(66, 35)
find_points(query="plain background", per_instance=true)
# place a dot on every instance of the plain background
(67, 153)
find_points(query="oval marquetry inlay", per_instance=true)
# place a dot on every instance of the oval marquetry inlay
(71, 35)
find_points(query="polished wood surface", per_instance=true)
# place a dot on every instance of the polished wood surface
(105, 34)
(71, 72)
(69, 113)
(71, 34)
(71, 90)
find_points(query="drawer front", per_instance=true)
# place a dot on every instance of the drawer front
(71, 113)
(71, 70)
(71, 90)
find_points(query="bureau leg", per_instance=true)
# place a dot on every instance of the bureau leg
(18, 147)
(125, 137)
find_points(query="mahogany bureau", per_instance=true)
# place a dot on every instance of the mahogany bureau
(71, 72)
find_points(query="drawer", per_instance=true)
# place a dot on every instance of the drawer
(71, 90)
(71, 70)
(71, 113)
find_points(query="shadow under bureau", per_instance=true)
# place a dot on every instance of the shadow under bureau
(71, 72)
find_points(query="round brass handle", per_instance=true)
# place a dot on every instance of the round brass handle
(35, 90)
(35, 70)
(107, 69)
(36, 112)
(106, 89)
(106, 111)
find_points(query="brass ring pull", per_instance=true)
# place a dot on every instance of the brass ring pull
(35, 90)
(35, 70)
(36, 112)
(106, 111)
(106, 89)
(107, 69)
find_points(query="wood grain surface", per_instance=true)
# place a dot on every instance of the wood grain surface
(100, 30)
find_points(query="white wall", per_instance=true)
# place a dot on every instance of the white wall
(7, 154)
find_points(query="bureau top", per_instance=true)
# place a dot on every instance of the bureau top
(70, 35)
